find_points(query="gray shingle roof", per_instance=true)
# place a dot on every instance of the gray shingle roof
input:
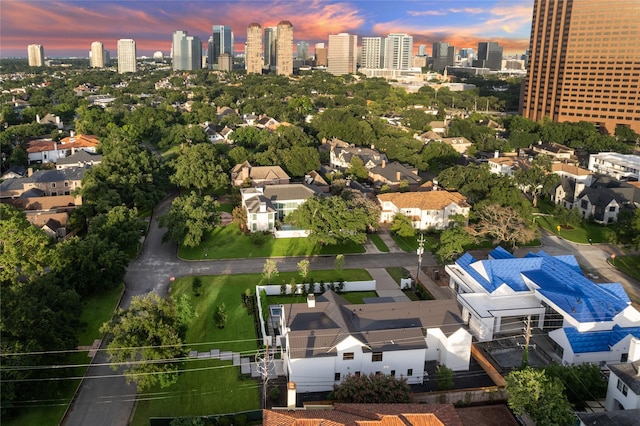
(294, 191)
(629, 373)
(80, 156)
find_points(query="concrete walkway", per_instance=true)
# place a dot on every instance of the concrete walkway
(386, 286)
(385, 235)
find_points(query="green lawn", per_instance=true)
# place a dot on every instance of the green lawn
(228, 242)
(580, 233)
(410, 244)
(354, 297)
(630, 265)
(377, 241)
(96, 310)
(216, 387)
(398, 272)
(226, 207)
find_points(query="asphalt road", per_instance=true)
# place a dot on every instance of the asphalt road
(104, 397)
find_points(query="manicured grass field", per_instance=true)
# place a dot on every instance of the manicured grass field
(96, 310)
(377, 241)
(215, 387)
(228, 242)
(628, 264)
(578, 234)
(410, 244)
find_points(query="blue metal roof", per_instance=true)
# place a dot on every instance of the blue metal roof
(500, 253)
(559, 279)
(598, 341)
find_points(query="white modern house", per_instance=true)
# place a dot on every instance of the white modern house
(426, 210)
(619, 166)
(270, 204)
(623, 390)
(588, 322)
(328, 338)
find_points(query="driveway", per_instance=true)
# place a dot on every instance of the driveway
(104, 397)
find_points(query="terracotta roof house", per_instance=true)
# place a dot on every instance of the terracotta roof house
(587, 321)
(49, 151)
(270, 204)
(623, 390)
(366, 415)
(507, 165)
(258, 175)
(426, 210)
(393, 174)
(328, 338)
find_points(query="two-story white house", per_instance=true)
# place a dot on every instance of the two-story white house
(265, 206)
(623, 390)
(427, 210)
(588, 322)
(328, 338)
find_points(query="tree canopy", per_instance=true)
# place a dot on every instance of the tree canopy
(373, 389)
(148, 338)
(189, 217)
(533, 392)
(200, 167)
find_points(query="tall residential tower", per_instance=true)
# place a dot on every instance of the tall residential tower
(126, 55)
(98, 57)
(284, 49)
(253, 52)
(398, 51)
(584, 63)
(372, 52)
(36, 55)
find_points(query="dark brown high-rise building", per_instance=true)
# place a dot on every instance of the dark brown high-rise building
(584, 63)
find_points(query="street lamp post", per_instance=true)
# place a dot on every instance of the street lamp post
(419, 252)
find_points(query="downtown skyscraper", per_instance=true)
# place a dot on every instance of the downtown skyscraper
(584, 64)
(35, 53)
(443, 55)
(253, 50)
(270, 41)
(126, 56)
(489, 56)
(186, 52)
(343, 54)
(221, 41)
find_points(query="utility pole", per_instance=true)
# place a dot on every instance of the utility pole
(420, 251)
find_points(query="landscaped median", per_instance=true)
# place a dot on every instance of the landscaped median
(227, 242)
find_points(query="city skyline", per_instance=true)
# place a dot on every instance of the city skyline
(67, 28)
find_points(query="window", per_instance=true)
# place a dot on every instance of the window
(336, 377)
(624, 357)
(612, 208)
(66, 184)
(376, 357)
(622, 387)
(410, 372)
(584, 204)
(393, 373)
(347, 356)
(53, 184)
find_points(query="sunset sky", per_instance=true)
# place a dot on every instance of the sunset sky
(67, 28)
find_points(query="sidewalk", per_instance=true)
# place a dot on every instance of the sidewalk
(384, 234)
(387, 286)
(438, 292)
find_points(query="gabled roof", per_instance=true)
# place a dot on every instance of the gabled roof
(253, 204)
(46, 176)
(431, 200)
(390, 171)
(569, 169)
(379, 326)
(597, 341)
(81, 141)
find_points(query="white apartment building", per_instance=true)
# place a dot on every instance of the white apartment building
(97, 55)
(126, 56)
(398, 51)
(372, 52)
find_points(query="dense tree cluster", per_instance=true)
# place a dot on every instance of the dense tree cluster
(373, 389)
